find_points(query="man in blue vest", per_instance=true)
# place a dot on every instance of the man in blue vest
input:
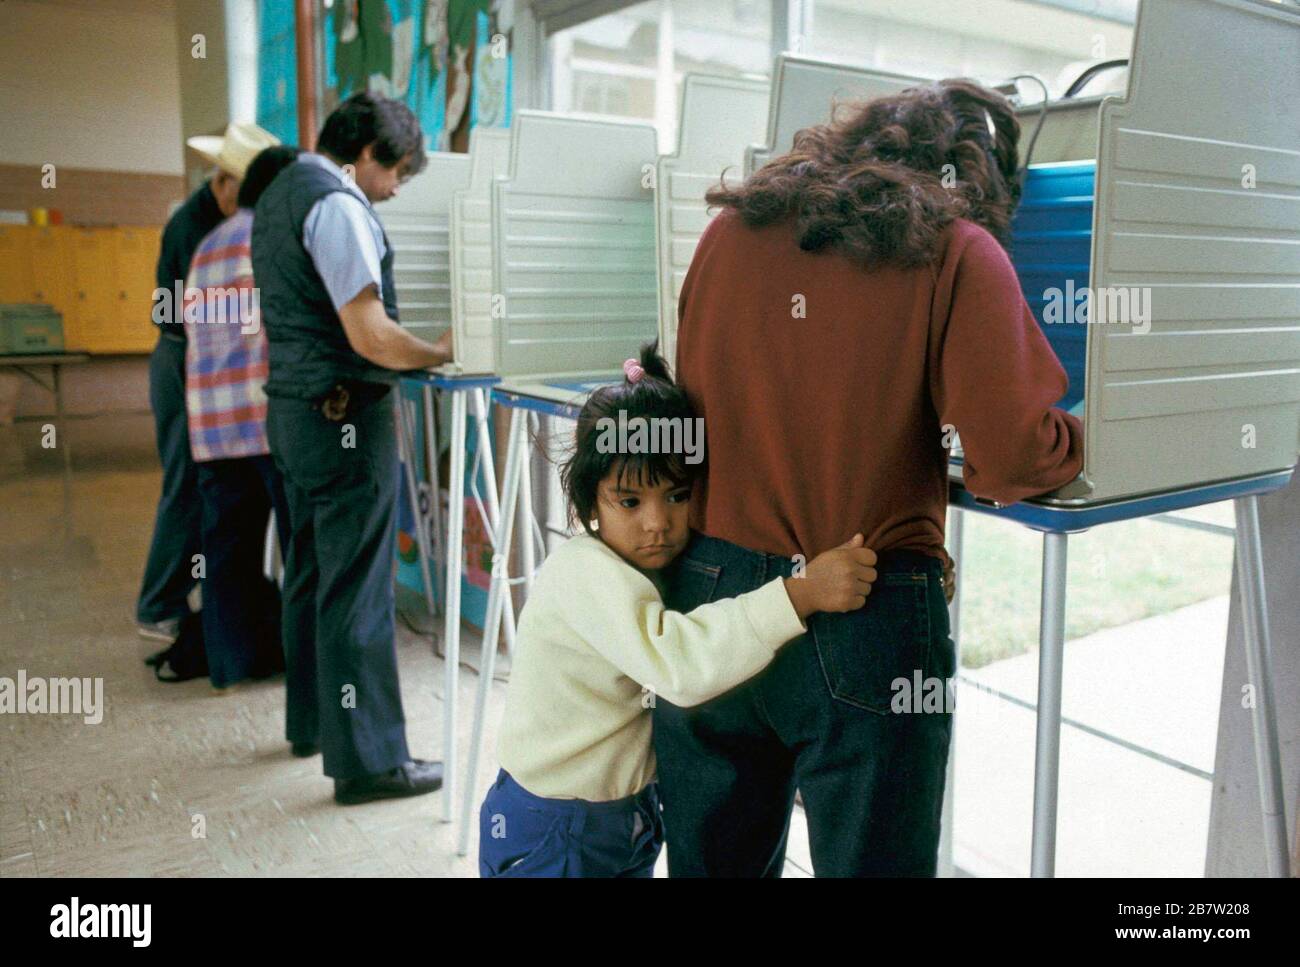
(324, 269)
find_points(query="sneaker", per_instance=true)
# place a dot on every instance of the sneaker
(167, 630)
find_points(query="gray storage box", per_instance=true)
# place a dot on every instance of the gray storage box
(30, 328)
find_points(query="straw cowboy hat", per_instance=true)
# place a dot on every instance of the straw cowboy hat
(234, 151)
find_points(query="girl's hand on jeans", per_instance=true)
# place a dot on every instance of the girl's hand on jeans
(837, 580)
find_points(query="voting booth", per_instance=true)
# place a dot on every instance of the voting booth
(440, 227)
(1181, 194)
(1155, 242)
(719, 117)
(804, 93)
(418, 224)
(573, 253)
(574, 279)
(471, 252)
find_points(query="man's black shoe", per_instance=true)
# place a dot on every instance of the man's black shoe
(304, 750)
(414, 778)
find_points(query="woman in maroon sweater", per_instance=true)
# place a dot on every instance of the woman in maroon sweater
(850, 307)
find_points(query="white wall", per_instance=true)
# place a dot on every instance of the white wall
(91, 84)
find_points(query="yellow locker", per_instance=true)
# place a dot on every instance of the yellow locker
(15, 263)
(136, 266)
(52, 278)
(97, 299)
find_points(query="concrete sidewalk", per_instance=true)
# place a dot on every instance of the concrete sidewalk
(1154, 684)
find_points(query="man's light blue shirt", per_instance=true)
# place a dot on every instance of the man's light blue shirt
(344, 238)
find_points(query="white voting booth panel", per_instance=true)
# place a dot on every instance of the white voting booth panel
(418, 225)
(471, 252)
(573, 245)
(720, 116)
(1212, 391)
(804, 93)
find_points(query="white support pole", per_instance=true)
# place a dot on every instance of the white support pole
(432, 455)
(956, 541)
(451, 608)
(406, 444)
(487, 462)
(1254, 611)
(1047, 743)
(498, 593)
(527, 547)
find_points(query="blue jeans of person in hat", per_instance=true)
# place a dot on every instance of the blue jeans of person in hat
(827, 717)
(168, 573)
(523, 835)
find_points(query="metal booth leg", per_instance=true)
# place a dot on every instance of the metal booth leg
(451, 611)
(406, 440)
(498, 594)
(492, 511)
(1254, 608)
(435, 511)
(956, 548)
(1047, 744)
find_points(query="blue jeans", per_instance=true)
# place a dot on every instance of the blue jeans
(825, 717)
(241, 609)
(524, 835)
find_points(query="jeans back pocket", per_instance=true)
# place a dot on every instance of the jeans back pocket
(864, 652)
(691, 583)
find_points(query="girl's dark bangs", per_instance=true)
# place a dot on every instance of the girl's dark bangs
(648, 469)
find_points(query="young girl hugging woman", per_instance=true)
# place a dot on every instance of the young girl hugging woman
(576, 795)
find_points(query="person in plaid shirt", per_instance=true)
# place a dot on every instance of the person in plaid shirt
(225, 370)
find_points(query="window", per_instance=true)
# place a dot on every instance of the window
(630, 64)
(988, 41)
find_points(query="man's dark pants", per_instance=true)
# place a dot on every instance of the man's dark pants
(241, 609)
(818, 719)
(340, 648)
(169, 571)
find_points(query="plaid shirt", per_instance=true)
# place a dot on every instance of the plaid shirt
(226, 355)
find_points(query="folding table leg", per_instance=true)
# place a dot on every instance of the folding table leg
(435, 513)
(1254, 608)
(406, 437)
(451, 598)
(1047, 743)
(478, 400)
(528, 559)
(498, 593)
(956, 541)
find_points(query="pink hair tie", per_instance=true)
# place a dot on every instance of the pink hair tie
(633, 371)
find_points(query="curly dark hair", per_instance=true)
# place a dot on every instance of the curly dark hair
(368, 119)
(653, 396)
(871, 183)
